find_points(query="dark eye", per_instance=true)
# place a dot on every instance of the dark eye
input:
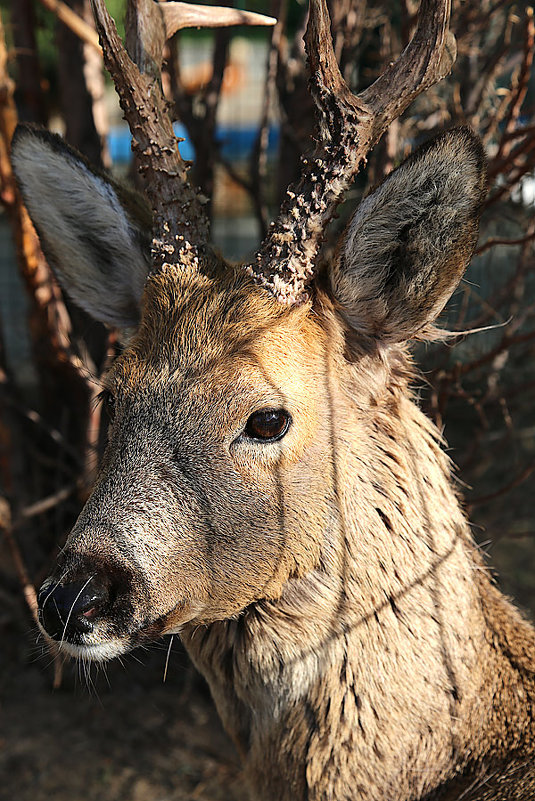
(268, 425)
(108, 404)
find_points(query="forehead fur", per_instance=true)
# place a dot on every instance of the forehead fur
(192, 322)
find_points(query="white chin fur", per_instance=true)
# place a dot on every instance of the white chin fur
(96, 652)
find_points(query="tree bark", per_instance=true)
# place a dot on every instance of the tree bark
(75, 100)
(29, 94)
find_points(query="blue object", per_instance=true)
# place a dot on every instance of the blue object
(236, 142)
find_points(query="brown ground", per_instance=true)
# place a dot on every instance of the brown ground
(137, 739)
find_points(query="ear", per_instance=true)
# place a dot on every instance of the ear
(94, 235)
(409, 242)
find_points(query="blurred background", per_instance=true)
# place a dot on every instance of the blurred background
(146, 730)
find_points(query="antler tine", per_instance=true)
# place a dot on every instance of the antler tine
(349, 126)
(188, 15)
(180, 228)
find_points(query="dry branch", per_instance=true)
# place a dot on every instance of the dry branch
(32, 104)
(45, 504)
(198, 113)
(27, 586)
(515, 482)
(72, 20)
(49, 321)
(494, 241)
(515, 106)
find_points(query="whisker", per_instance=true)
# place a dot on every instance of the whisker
(54, 585)
(70, 610)
(167, 658)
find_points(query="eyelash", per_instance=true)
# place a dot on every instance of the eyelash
(106, 400)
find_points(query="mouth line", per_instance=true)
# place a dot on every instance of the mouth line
(112, 647)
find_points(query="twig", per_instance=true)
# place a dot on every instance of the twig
(506, 342)
(502, 165)
(490, 243)
(52, 432)
(234, 174)
(514, 180)
(44, 505)
(519, 479)
(28, 588)
(489, 72)
(509, 289)
(519, 535)
(72, 20)
(522, 83)
(524, 130)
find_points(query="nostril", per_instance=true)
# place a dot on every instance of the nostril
(66, 610)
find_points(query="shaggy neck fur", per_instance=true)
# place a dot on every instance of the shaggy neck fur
(387, 671)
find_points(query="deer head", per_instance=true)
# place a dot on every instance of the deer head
(215, 489)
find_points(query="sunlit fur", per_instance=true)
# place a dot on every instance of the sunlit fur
(326, 584)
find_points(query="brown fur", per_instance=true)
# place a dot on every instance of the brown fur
(327, 584)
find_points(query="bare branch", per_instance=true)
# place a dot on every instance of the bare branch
(27, 586)
(45, 504)
(522, 84)
(517, 480)
(73, 21)
(504, 345)
(259, 153)
(490, 243)
(180, 226)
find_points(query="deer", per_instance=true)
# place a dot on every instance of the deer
(271, 490)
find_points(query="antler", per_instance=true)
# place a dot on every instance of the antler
(180, 227)
(188, 15)
(349, 126)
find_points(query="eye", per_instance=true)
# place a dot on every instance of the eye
(108, 404)
(267, 425)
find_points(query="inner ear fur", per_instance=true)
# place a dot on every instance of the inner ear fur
(407, 246)
(94, 233)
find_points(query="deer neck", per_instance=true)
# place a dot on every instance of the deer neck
(387, 650)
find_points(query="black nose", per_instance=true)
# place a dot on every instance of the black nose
(66, 610)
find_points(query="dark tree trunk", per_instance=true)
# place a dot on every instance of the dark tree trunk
(75, 99)
(29, 95)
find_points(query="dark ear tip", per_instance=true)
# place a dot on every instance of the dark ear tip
(469, 140)
(29, 130)
(28, 133)
(26, 138)
(461, 150)
(22, 131)
(465, 143)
